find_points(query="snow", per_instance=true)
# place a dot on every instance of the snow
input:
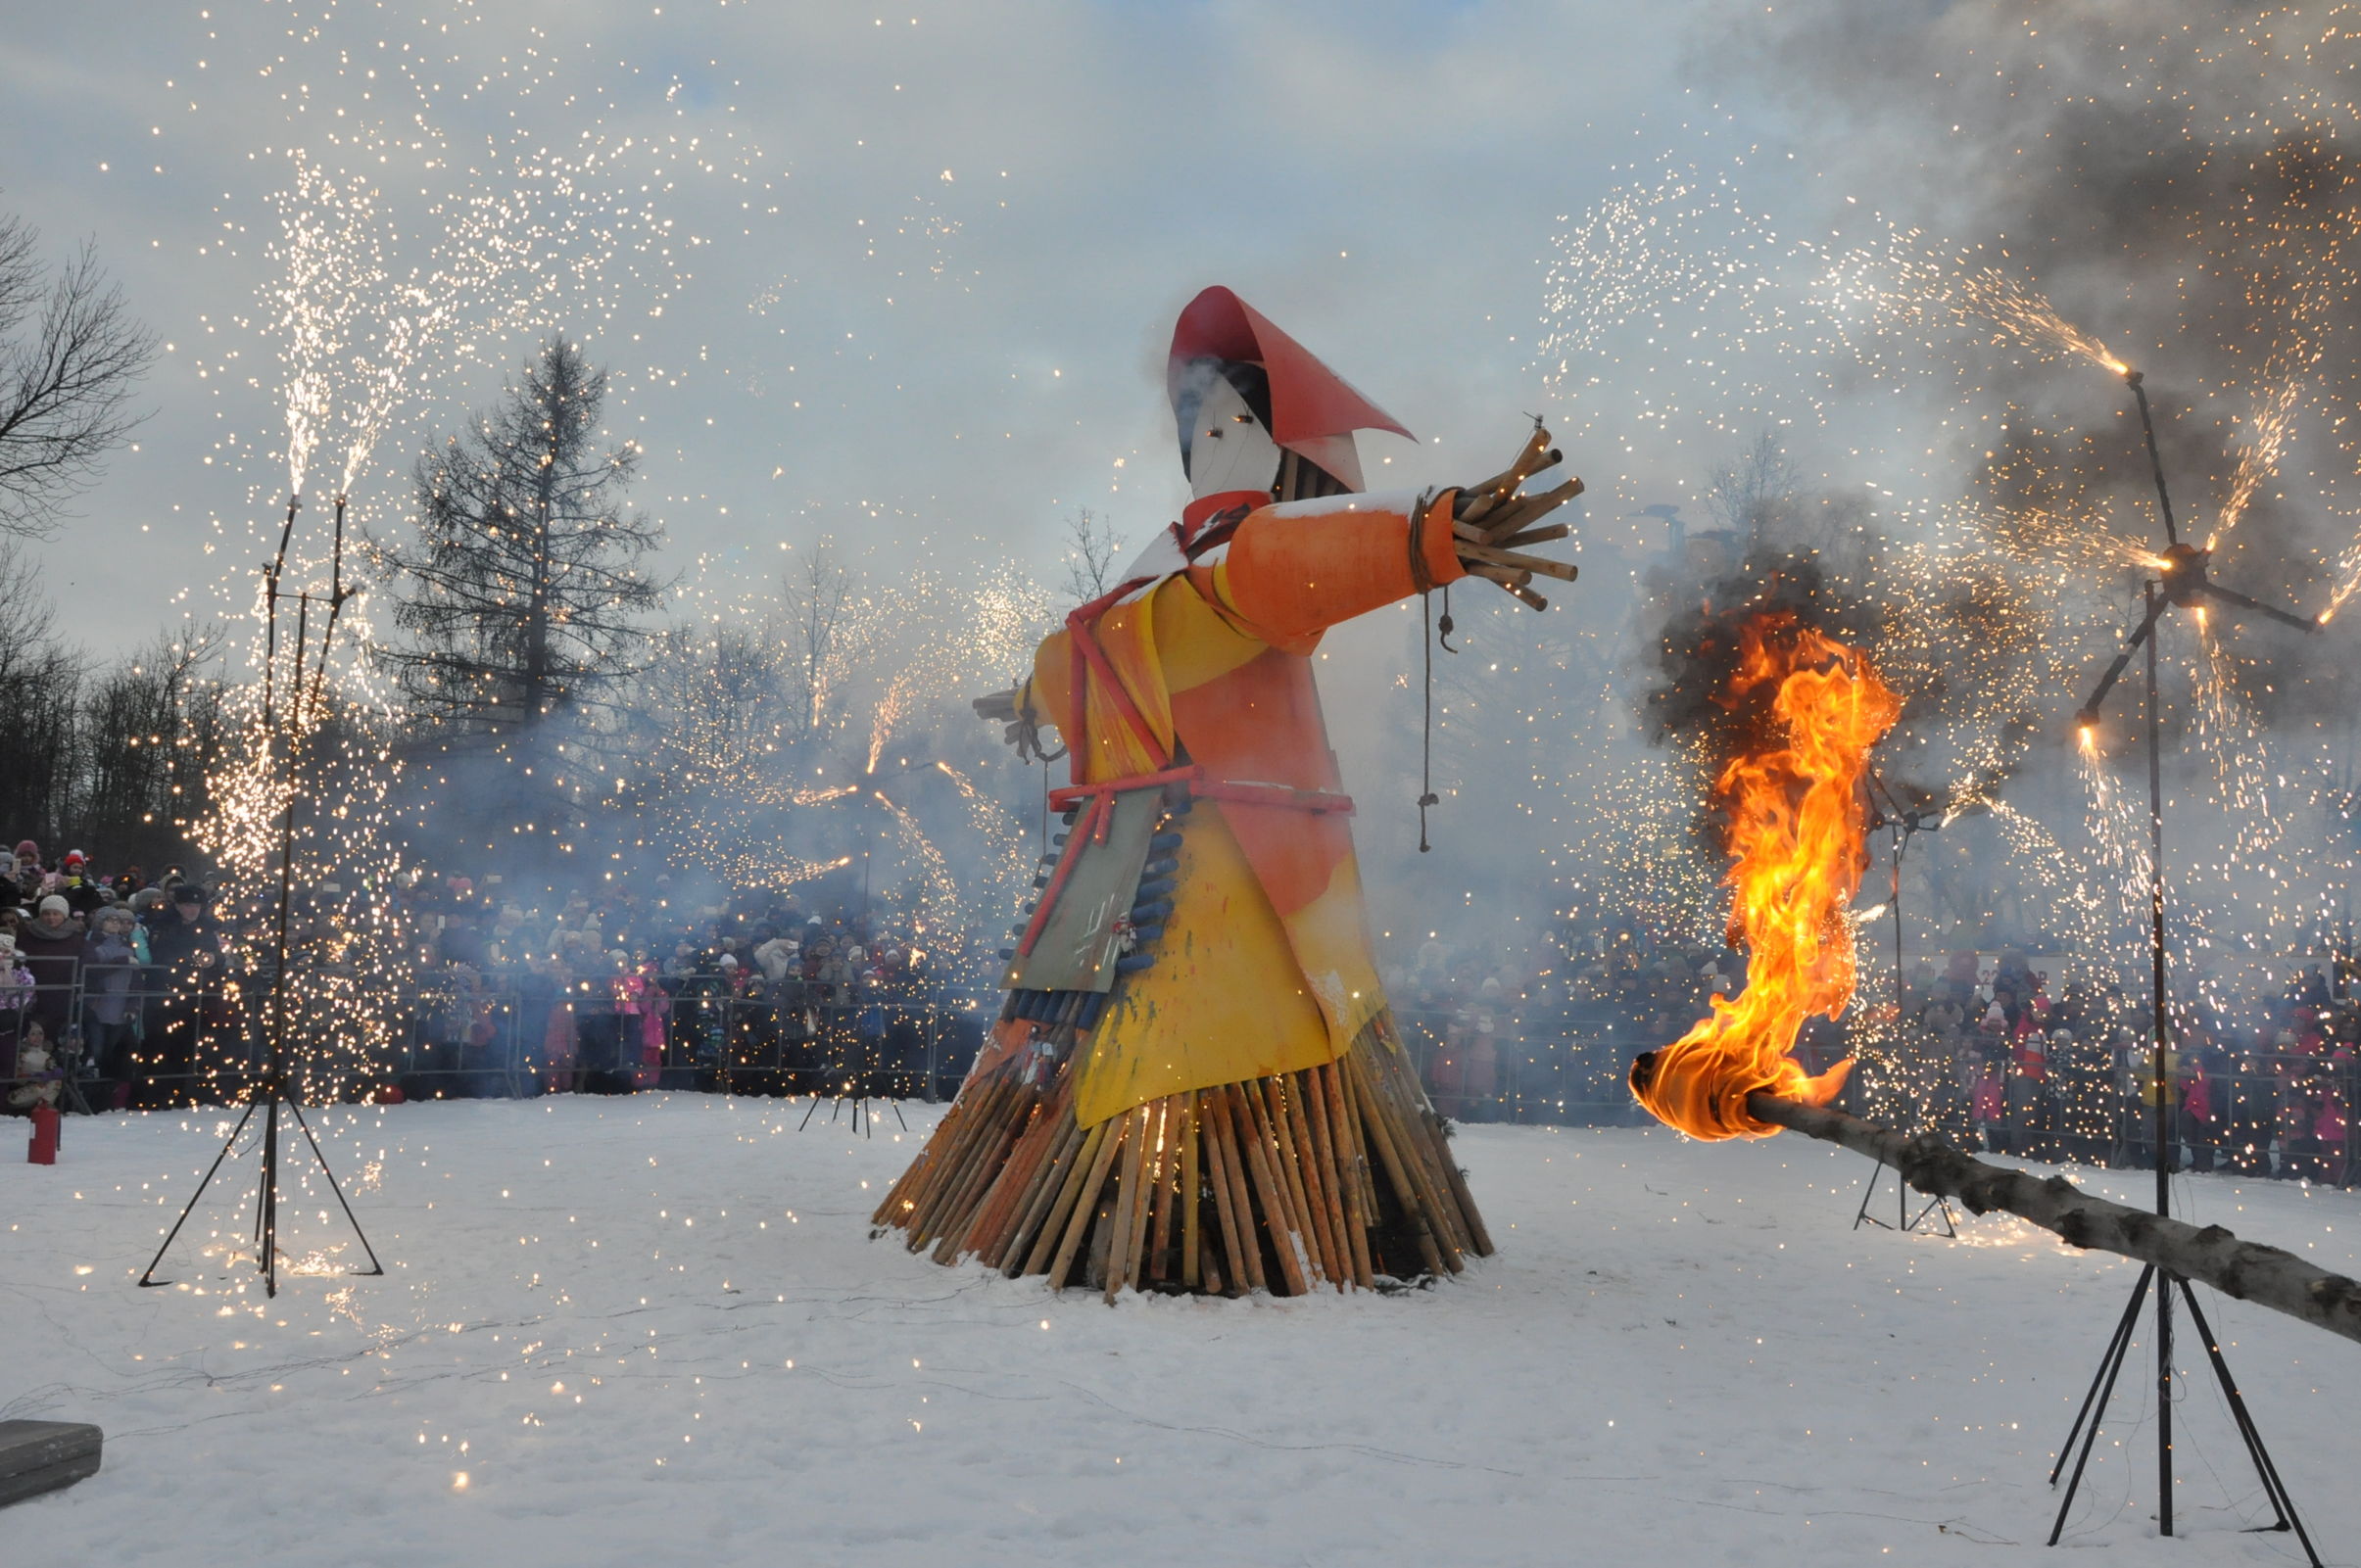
(654, 1330)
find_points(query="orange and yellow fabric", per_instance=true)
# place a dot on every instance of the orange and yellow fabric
(1265, 965)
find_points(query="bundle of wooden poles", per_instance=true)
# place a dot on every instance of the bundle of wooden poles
(1337, 1176)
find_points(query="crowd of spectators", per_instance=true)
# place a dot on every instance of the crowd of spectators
(111, 978)
(1986, 1050)
(119, 991)
(643, 984)
(1990, 1054)
(115, 987)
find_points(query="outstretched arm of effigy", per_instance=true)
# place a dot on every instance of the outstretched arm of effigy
(1296, 568)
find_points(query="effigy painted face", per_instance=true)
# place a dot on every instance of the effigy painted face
(1228, 449)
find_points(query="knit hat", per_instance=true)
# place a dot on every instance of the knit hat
(75, 857)
(28, 850)
(53, 901)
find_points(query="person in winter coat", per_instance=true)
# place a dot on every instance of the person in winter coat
(16, 996)
(28, 873)
(52, 946)
(186, 944)
(111, 963)
(82, 891)
(36, 1075)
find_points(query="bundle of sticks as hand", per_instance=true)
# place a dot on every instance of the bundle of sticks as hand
(1493, 523)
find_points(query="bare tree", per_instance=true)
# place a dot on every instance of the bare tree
(819, 603)
(1745, 496)
(523, 587)
(153, 729)
(69, 351)
(1090, 548)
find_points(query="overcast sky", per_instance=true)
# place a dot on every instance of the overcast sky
(904, 278)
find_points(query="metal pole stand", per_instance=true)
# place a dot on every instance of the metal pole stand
(2094, 1411)
(271, 1089)
(266, 1095)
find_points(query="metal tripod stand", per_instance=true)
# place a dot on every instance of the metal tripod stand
(275, 1086)
(1906, 823)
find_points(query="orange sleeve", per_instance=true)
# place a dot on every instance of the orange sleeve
(1297, 568)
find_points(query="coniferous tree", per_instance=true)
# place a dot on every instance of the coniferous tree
(522, 589)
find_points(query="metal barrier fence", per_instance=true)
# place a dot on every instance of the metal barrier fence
(177, 1044)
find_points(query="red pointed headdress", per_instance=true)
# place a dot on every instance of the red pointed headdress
(1310, 403)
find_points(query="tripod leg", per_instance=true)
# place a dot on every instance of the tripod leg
(2272, 1487)
(149, 1277)
(375, 1268)
(1860, 1215)
(270, 1198)
(1934, 1205)
(2165, 1395)
(808, 1112)
(2094, 1403)
(2107, 1357)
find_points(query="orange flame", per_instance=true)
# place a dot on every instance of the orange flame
(1798, 842)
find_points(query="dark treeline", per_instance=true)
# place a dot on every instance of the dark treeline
(106, 748)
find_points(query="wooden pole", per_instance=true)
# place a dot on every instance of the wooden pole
(2243, 1270)
(1053, 1224)
(1192, 1198)
(1087, 1199)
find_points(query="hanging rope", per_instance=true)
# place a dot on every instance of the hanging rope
(1434, 634)
(1427, 641)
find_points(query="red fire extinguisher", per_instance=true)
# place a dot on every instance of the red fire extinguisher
(43, 1148)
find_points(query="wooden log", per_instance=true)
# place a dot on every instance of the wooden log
(1397, 1171)
(1271, 1192)
(1427, 1134)
(1519, 512)
(1494, 555)
(1329, 1131)
(1230, 1193)
(1543, 534)
(1086, 1205)
(1127, 1189)
(1478, 1236)
(1192, 1199)
(1040, 1193)
(994, 1188)
(997, 1127)
(1044, 1165)
(1399, 1108)
(1270, 1106)
(898, 1199)
(1335, 1258)
(1038, 1255)
(1535, 455)
(2243, 1270)
(958, 1154)
(1144, 1204)
(1341, 1082)
(1166, 1198)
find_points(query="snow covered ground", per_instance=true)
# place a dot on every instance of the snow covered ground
(655, 1330)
